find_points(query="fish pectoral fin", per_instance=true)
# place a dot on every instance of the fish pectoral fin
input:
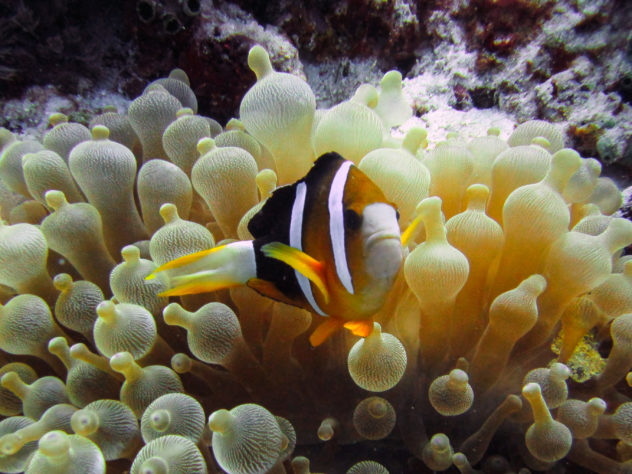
(325, 330)
(214, 269)
(359, 328)
(301, 262)
(409, 232)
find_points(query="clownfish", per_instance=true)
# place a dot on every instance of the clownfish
(329, 243)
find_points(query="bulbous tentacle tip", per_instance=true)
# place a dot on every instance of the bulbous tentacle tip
(106, 310)
(235, 124)
(184, 111)
(414, 139)
(57, 118)
(597, 405)
(266, 180)
(54, 443)
(392, 80)
(327, 429)
(451, 394)
(84, 422)
(169, 212)
(300, 465)
(205, 145)
(541, 142)
(63, 282)
(176, 315)
(121, 361)
(178, 73)
(160, 420)
(100, 132)
(259, 62)
(219, 421)
(55, 199)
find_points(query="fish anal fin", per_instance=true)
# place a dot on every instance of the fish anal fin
(301, 262)
(325, 330)
(270, 290)
(359, 328)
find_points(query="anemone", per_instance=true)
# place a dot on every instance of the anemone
(509, 324)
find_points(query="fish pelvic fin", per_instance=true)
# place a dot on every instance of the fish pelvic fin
(325, 330)
(209, 270)
(301, 262)
(332, 324)
(359, 328)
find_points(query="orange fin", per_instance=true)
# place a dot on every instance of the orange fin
(182, 261)
(325, 330)
(359, 328)
(301, 262)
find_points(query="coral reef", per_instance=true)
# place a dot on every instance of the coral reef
(503, 344)
(466, 62)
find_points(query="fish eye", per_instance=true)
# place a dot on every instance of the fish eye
(353, 221)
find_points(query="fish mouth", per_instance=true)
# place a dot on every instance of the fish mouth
(379, 237)
(383, 256)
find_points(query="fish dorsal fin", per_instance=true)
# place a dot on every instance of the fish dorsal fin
(323, 169)
(274, 216)
(275, 213)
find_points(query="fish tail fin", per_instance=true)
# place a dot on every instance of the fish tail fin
(221, 267)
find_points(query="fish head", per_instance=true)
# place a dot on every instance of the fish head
(381, 241)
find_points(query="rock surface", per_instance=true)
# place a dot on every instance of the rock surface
(468, 64)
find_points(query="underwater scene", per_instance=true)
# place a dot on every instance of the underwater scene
(332, 236)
